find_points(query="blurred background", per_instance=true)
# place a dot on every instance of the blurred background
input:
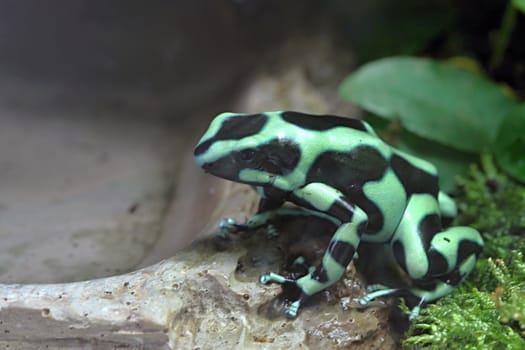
(102, 101)
(100, 105)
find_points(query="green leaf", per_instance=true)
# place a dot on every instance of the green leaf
(431, 99)
(509, 147)
(519, 4)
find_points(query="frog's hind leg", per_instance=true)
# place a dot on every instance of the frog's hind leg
(411, 240)
(453, 253)
(436, 260)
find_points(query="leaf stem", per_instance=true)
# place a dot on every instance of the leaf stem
(503, 36)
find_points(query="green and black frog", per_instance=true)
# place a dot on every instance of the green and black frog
(338, 168)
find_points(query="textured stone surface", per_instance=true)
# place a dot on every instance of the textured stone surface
(206, 297)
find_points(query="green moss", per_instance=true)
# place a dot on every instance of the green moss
(488, 311)
(495, 205)
(466, 320)
(509, 296)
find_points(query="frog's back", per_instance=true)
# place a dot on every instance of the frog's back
(346, 154)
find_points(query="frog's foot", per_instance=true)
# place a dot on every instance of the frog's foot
(375, 287)
(414, 313)
(376, 291)
(291, 310)
(228, 226)
(271, 231)
(274, 277)
(300, 262)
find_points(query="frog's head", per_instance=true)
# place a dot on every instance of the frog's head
(248, 148)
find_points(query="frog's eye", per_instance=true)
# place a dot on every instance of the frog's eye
(247, 154)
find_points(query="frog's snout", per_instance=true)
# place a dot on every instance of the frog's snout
(201, 148)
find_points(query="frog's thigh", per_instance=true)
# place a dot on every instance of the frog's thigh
(410, 243)
(345, 240)
(453, 253)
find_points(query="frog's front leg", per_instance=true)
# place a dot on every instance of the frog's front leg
(268, 209)
(342, 247)
(228, 226)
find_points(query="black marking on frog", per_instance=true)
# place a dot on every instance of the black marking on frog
(322, 122)
(234, 129)
(349, 172)
(414, 180)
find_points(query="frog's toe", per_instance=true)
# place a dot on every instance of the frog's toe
(414, 313)
(228, 226)
(364, 300)
(265, 278)
(293, 309)
(377, 291)
(271, 231)
(274, 277)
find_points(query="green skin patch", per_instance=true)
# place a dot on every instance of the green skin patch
(338, 169)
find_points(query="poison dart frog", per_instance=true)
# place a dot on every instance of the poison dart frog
(336, 167)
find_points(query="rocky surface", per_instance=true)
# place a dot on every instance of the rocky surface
(205, 297)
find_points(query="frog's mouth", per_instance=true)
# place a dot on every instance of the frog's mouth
(226, 168)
